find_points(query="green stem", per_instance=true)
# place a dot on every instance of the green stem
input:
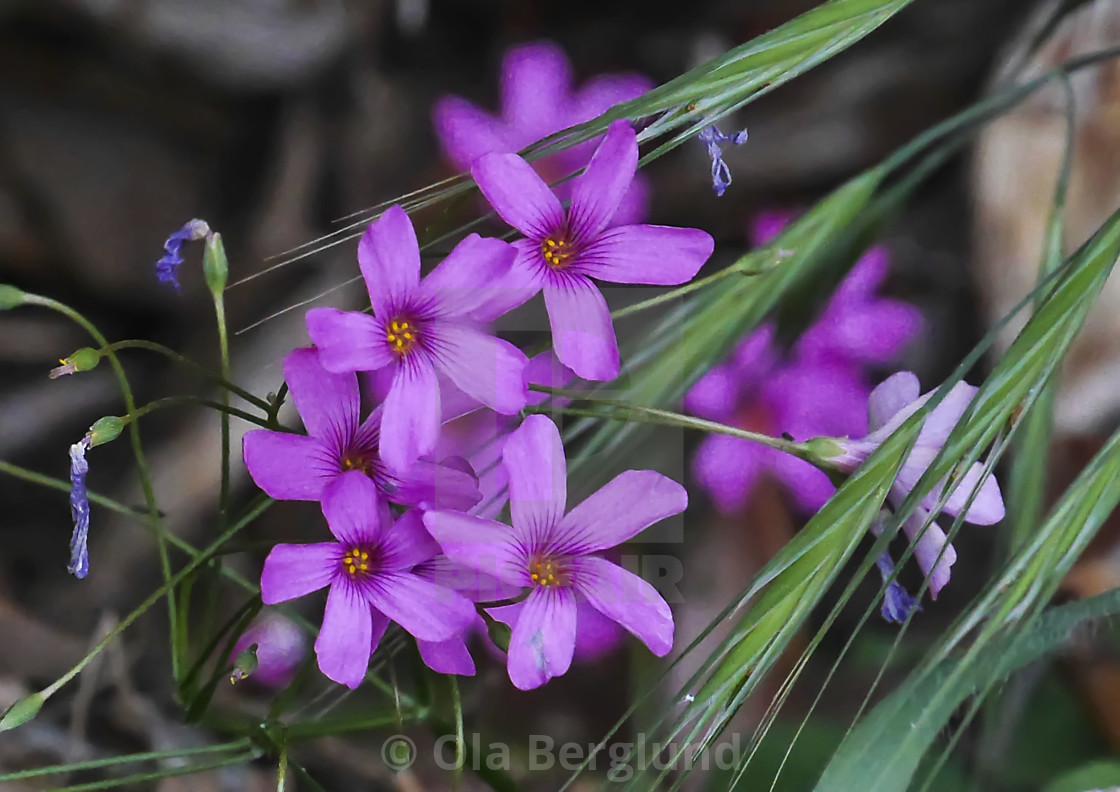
(195, 401)
(172, 355)
(223, 345)
(113, 761)
(137, 452)
(201, 767)
(651, 415)
(199, 560)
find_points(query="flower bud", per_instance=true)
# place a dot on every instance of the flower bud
(215, 267)
(105, 430)
(84, 359)
(500, 634)
(22, 711)
(244, 664)
(10, 297)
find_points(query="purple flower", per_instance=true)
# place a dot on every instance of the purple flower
(563, 251)
(557, 556)
(281, 647)
(369, 572)
(538, 100)
(420, 327)
(888, 406)
(711, 137)
(300, 467)
(822, 384)
(79, 509)
(167, 268)
(897, 602)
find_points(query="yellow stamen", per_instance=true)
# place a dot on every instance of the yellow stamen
(356, 562)
(545, 571)
(556, 252)
(402, 335)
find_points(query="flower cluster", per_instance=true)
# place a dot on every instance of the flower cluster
(413, 539)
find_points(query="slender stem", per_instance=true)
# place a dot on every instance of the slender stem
(651, 415)
(282, 772)
(248, 756)
(137, 452)
(171, 354)
(178, 577)
(223, 345)
(195, 401)
(113, 761)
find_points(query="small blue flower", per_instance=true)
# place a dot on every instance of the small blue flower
(167, 268)
(79, 509)
(712, 137)
(897, 602)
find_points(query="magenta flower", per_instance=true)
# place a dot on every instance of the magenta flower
(563, 251)
(889, 405)
(421, 327)
(300, 467)
(557, 556)
(281, 647)
(538, 100)
(822, 384)
(369, 571)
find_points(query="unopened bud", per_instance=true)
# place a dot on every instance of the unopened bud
(244, 664)
(10, 297)
(105, 430)
(84, 359)
(22, 711)
(500, 634)
(215, 267)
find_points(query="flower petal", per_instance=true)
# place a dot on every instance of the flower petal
(809, 486)
(447, 657)
(481, 545)
(582, 333)
(728, 469)
(288, 466)
(624, 507)
(597, 192)
(329, 404)
(889, 397)
(427, 485)
(536, 83)
(380, 625)
(344, 641)
(389, 257)
(428, 611)
(520, 283)
(406, 544)
(292, 571)
(466, 132)
(348, 340)
(352, 506)
(627, 599)
(462, 282)
(533, 458)
(518, 194)
(484, 367)
(544, 638)
(596, 634)
(410, 418)
(653, 254)
(935, 564)
(600, 94)
(987, 507)
(472, 584)
(715, 395)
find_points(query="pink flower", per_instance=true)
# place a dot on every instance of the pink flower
(537, 100)
(889, 405)
(421, 327)
(820, 389)
(557, 556)
(369, 569)
(299, 467)
(564, 250)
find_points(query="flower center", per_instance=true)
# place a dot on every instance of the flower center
(356, 563)
(546, 571)
(401, 333)
(557, 251)
(356, 460)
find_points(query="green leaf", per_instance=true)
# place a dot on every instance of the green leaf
(22, 711)
(1096, 775)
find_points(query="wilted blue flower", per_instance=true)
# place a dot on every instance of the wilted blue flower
(712, 137)
(79, 509)
(167, 268)
(897, 602)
